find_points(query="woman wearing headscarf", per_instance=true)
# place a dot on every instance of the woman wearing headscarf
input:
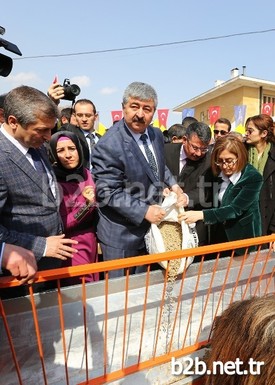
(78, 206)
(259, 136)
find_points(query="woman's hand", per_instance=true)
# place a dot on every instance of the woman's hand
(190, 216)
(89, 194)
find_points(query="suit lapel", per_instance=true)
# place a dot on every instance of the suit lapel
(136, 151)
(187, 169)
(16, 156)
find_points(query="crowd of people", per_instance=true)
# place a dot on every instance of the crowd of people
(127, 172)
(64, 190)
(62, 194)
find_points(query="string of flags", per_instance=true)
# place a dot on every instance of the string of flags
(214, 113)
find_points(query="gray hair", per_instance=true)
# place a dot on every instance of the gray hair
(141, 91)
(200, 129)
(28, 104)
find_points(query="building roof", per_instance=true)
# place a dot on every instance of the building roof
(224, 87)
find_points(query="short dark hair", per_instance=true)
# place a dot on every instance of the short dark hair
(177, 130)
(200, 129)
(85, 101)
(188, 120)
(224, 121)
(2, 98)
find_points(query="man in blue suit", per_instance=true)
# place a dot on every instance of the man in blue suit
(29, 196)
(130, 180)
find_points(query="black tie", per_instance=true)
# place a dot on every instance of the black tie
(150, 156)
(91, 139)
(36, 157)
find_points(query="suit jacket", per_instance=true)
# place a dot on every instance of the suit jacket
(267, 196)
(83, 141)
(126, 185)
(191, 177)
(28, 210)
(172, 157)
(239, 211)
(192, 181)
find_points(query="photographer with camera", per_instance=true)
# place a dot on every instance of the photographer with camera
(67, 91)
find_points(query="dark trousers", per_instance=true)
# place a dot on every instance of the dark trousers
(110, 253)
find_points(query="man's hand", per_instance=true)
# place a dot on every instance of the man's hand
(56, 92)
(59, 247)
(20, 262)
(182, 200)
(155, 214)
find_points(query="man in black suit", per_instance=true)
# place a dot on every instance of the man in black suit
(188, 162)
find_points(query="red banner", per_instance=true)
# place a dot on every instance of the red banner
(214, 114)
(116, 115)
(162, 117)
(267, 108)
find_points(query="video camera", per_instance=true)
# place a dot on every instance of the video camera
(5, 61)
(71, 91)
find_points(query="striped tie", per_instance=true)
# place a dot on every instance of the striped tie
(149, 155)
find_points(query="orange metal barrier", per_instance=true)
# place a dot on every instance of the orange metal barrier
(135, 316)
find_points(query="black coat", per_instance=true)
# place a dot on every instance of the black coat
(267, 196)
(192, 181)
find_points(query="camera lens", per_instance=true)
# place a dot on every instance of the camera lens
(70, 90)
(75, 90)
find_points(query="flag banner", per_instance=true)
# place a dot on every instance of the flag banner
(188, 112)
(267, 108)
(162, 117)
(116, 115)
(214, 113)
(239, 113)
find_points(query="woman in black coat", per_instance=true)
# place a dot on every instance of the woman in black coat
(261, 154)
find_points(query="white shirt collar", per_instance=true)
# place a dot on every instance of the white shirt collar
(138, 135)
(17, 144)
(233, 178)
(182, 153)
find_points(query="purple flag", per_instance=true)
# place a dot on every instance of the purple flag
(188, 112)
(240, 112)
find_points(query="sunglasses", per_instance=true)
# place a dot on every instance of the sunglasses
(222, 132)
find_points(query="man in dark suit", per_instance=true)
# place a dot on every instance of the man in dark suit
(129, 179)
(188, 162)
(85, 114)
(18, 261)
(29, 197)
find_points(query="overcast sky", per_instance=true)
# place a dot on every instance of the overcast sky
(178, 72)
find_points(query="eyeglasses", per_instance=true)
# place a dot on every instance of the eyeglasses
(203, 150)
(226, 162)
(80, 115)
(222, 132)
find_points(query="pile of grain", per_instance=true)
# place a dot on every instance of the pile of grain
(172, 235)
